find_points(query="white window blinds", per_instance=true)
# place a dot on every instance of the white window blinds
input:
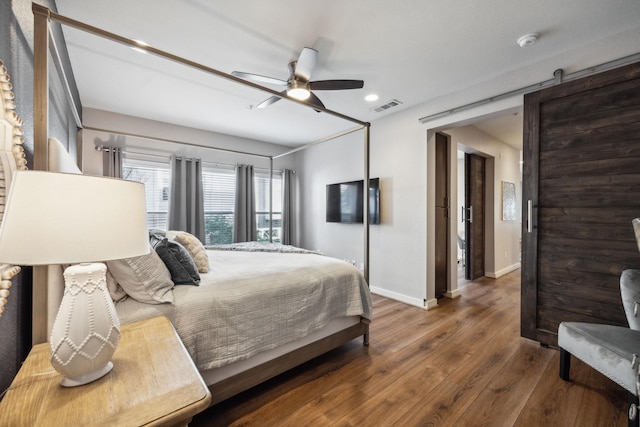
(219, 187)
(155, 176)
(262, 205)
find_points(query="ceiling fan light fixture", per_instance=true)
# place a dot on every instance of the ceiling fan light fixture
(299, 90)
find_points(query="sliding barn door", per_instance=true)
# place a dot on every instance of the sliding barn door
(581, 189)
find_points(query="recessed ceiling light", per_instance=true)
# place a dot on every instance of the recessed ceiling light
(142, 45)
(371, 97)
(528, 40)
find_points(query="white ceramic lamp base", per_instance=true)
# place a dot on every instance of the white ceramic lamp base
(86, 330)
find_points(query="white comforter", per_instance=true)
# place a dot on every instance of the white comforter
(255, 301)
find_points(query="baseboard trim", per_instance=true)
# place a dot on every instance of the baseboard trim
(500, 273)
(452, 294)
(398, 297)
(429, 304)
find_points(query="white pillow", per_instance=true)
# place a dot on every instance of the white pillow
(144, 278)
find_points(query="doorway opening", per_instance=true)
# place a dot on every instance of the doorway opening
(470, 133)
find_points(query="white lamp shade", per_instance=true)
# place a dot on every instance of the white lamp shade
(57, 218)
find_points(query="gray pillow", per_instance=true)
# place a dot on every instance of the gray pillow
(177, 259)
(144, 278)
(194, 246)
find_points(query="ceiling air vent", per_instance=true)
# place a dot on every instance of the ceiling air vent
(385, 107)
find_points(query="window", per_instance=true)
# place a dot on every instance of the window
(262, 205)
(219, 188)
(156, 178)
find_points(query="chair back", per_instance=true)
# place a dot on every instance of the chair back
(630, 293)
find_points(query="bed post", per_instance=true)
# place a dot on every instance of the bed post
(365, 212)
(271, 199)
(40, 154)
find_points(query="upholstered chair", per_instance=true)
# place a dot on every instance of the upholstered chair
(614, 351)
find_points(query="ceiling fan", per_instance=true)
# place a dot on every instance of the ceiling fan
(298, 84)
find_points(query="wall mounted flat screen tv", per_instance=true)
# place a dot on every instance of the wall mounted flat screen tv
(345, 200)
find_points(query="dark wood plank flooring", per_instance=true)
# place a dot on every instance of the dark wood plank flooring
(461, 364)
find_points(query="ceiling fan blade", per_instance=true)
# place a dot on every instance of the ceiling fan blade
(306, 63)
(336, 84)
(259, 78)
(268, 101)
(314, 100)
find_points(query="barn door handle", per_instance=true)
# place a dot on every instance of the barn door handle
(470, 215)
(463, 218)
(529, 216)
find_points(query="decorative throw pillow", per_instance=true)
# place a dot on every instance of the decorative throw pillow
(194, 246)
(177, 259)
(144, 278)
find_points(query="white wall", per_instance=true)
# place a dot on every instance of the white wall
(338, 160)
(398, 243)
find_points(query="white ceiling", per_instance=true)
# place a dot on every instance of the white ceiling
(432, 54)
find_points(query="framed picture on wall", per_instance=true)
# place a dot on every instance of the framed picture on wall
(508, 201)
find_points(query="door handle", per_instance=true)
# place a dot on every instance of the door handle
(463, 218)
(529, 216)
(470, 218)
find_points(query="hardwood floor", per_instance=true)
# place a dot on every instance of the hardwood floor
(461, 364)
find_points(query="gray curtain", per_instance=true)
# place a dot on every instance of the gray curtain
(112, 162)
(186, 202)
(288, 213)
(244, 224)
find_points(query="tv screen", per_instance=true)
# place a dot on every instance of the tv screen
(344, 202)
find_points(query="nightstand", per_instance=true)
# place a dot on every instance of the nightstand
(153, 382)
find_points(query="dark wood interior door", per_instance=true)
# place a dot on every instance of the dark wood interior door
(474, 224)
(442, 215)
(581, 190)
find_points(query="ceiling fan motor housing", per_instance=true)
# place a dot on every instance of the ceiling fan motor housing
(298, 89)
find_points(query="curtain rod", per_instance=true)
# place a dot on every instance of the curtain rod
(132, 43)
(265, 156)
(175, 141)
(160, 156)
(558, 77)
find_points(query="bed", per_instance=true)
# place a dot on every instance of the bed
(260, 310)
(239, 331)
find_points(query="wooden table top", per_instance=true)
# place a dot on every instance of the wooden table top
(153, 382)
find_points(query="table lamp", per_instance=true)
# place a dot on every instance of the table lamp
(58, 218)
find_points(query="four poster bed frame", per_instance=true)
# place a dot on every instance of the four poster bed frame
(47, 289)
